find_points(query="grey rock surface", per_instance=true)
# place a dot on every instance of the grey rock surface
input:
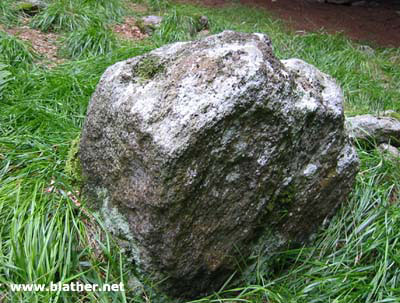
(37, 3)
(392, 151)
(152, 20)
(369, 127)
(199, 152)
(149, 24)
(31, 7)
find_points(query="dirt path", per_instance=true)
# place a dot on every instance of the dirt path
(379, 25)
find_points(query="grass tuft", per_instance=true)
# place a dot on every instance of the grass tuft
(15, 52)
(93, 40)
(112, 10)
(71, 15)
(8, 14)
(63, 15)
(158, 5)
(177, 26)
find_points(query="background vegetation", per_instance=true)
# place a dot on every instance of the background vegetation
(48, 235)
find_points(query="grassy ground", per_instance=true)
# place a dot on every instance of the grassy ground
(46, 235)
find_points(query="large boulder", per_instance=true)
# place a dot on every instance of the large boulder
(198, 153)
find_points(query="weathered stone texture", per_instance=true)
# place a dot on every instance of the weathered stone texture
(372, 128)
(196, 150)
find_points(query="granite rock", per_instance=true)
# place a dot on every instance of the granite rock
(198, 153)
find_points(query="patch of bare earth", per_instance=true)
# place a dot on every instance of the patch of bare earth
(45, 44)
(128, 30)
(378, 24)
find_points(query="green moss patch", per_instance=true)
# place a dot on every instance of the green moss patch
(149, 67)
(73, 167)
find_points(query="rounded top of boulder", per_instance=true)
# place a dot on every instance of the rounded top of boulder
(183, 87)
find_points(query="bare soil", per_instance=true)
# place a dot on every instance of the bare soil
(128, 30)
(379, 25)
(45, 44)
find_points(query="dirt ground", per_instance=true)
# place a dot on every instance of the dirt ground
(379, 24)
(47, 44)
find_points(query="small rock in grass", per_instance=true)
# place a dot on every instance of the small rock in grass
(368, 50)
(153, 20)
(204, 23)
(389, 149)
(379, 129)
(149, 24)
(31, 7)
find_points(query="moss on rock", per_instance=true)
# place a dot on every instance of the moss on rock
(149, 67)
(73, 167)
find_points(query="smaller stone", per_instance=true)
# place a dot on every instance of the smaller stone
(381, 129)
(368, 50)
(203, 20)
(390, 150)
(31, 7)
(153, 20)
(149, 24)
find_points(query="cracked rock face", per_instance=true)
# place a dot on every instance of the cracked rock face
(200, 152)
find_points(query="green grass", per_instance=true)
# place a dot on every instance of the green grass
(45, 236)
(94, 40)
(15, 52)
(157, 5)
(177, 26)
(63, 15)
(71, 15)
(111, 9)
(8, 14)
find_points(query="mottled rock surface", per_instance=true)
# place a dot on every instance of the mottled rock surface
(199, 152)
(392, 151)
(373, 128)
(149, 24)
